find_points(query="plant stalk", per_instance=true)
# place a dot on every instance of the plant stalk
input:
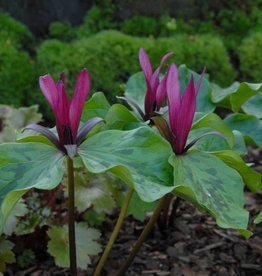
(114, 233)
(142, 237)
(71, 217)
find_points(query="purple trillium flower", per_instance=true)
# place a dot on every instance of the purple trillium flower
(181, 108)
(67, 113)
(156, 89)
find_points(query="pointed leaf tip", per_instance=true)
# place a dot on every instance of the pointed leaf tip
(80, 94)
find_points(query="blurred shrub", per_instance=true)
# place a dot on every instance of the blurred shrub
(62, 31)
(251, 57)
(16, 75)
(146, 26)
(13, 32)
(98, 18)
(111, 57)
(198, 51)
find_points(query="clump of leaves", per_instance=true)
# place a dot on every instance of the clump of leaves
(58, 246)
(6, 254)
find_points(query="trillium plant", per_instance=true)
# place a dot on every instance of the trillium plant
(169, 143)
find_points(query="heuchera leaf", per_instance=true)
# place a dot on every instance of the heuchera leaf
(19, 210)
(86, 244)
(6, 254)
(251, 178)
(28, 165)
(249, 125)
(139, 157)
(92, 191)
(210, 184)
(258, 218)
(236, 95)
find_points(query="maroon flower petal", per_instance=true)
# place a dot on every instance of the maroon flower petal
(76, 107)
(174, 98)
(145, 64)
(49, 90)
(161, 93)
(62, 111)
(186, 115)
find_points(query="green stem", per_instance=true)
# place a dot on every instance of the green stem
(115, 233)
(71, 215)
(142, 237)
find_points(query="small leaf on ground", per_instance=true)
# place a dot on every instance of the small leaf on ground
(258, 218)
(19, 210)
(86, 244)
(6, 254)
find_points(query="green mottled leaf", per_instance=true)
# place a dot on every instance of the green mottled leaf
(240, 145)
(248, 125)
(27, 165)
(139, 157)
(119, 117)
(254, 106)
(86, 244)
(97, 106)
(251, 178)
(236, 95)
(258, 218)
(136, 89)
(6, 254)
(204, 103)
(19, 210)
(208, 182)
(214, 122)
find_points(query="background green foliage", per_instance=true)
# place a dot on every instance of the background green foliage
(62, 31)
(227, 42)
(251, 57)
(13, 32)
(16, 74)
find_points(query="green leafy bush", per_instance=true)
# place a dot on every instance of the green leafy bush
(196, 51)
(13, 32)
(111, 57)
(62, 31)
(16, 75)
(97, 19)
(251, 57)
(146, 25)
